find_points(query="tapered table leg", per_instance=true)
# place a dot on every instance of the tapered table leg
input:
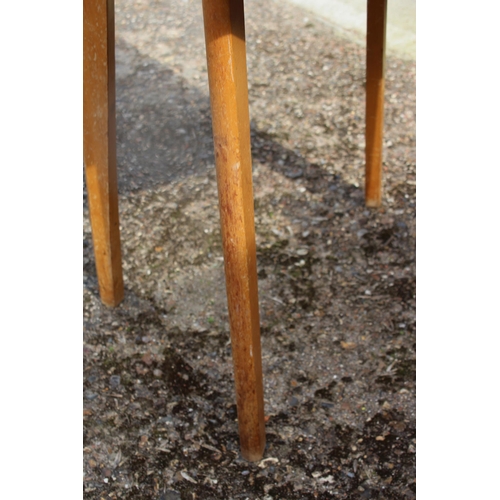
(375, 62)
(227, 73)
(99, 144)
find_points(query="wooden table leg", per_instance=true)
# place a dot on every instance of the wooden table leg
(375, 62)
(99, 144)
(227, 73)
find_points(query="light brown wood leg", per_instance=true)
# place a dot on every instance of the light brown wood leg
(99, 144)
(375, 63)
(227, 73)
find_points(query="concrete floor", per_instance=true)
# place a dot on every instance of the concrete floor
(349, 17)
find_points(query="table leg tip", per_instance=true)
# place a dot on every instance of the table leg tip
(373, 203)
(112, 300)
(253, 455)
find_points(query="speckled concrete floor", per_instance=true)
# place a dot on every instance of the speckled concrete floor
(349, 17)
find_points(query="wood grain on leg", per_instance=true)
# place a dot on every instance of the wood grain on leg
(226, 57)
(99, 144)
(375, 67)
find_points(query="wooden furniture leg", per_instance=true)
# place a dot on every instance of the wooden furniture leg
(227, 74)
(99, 144)
(375, 62)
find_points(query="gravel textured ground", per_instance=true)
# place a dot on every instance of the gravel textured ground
(336, 280)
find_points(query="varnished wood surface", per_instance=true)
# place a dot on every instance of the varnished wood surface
(226, 57)
(375, 85)
(99, 144)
